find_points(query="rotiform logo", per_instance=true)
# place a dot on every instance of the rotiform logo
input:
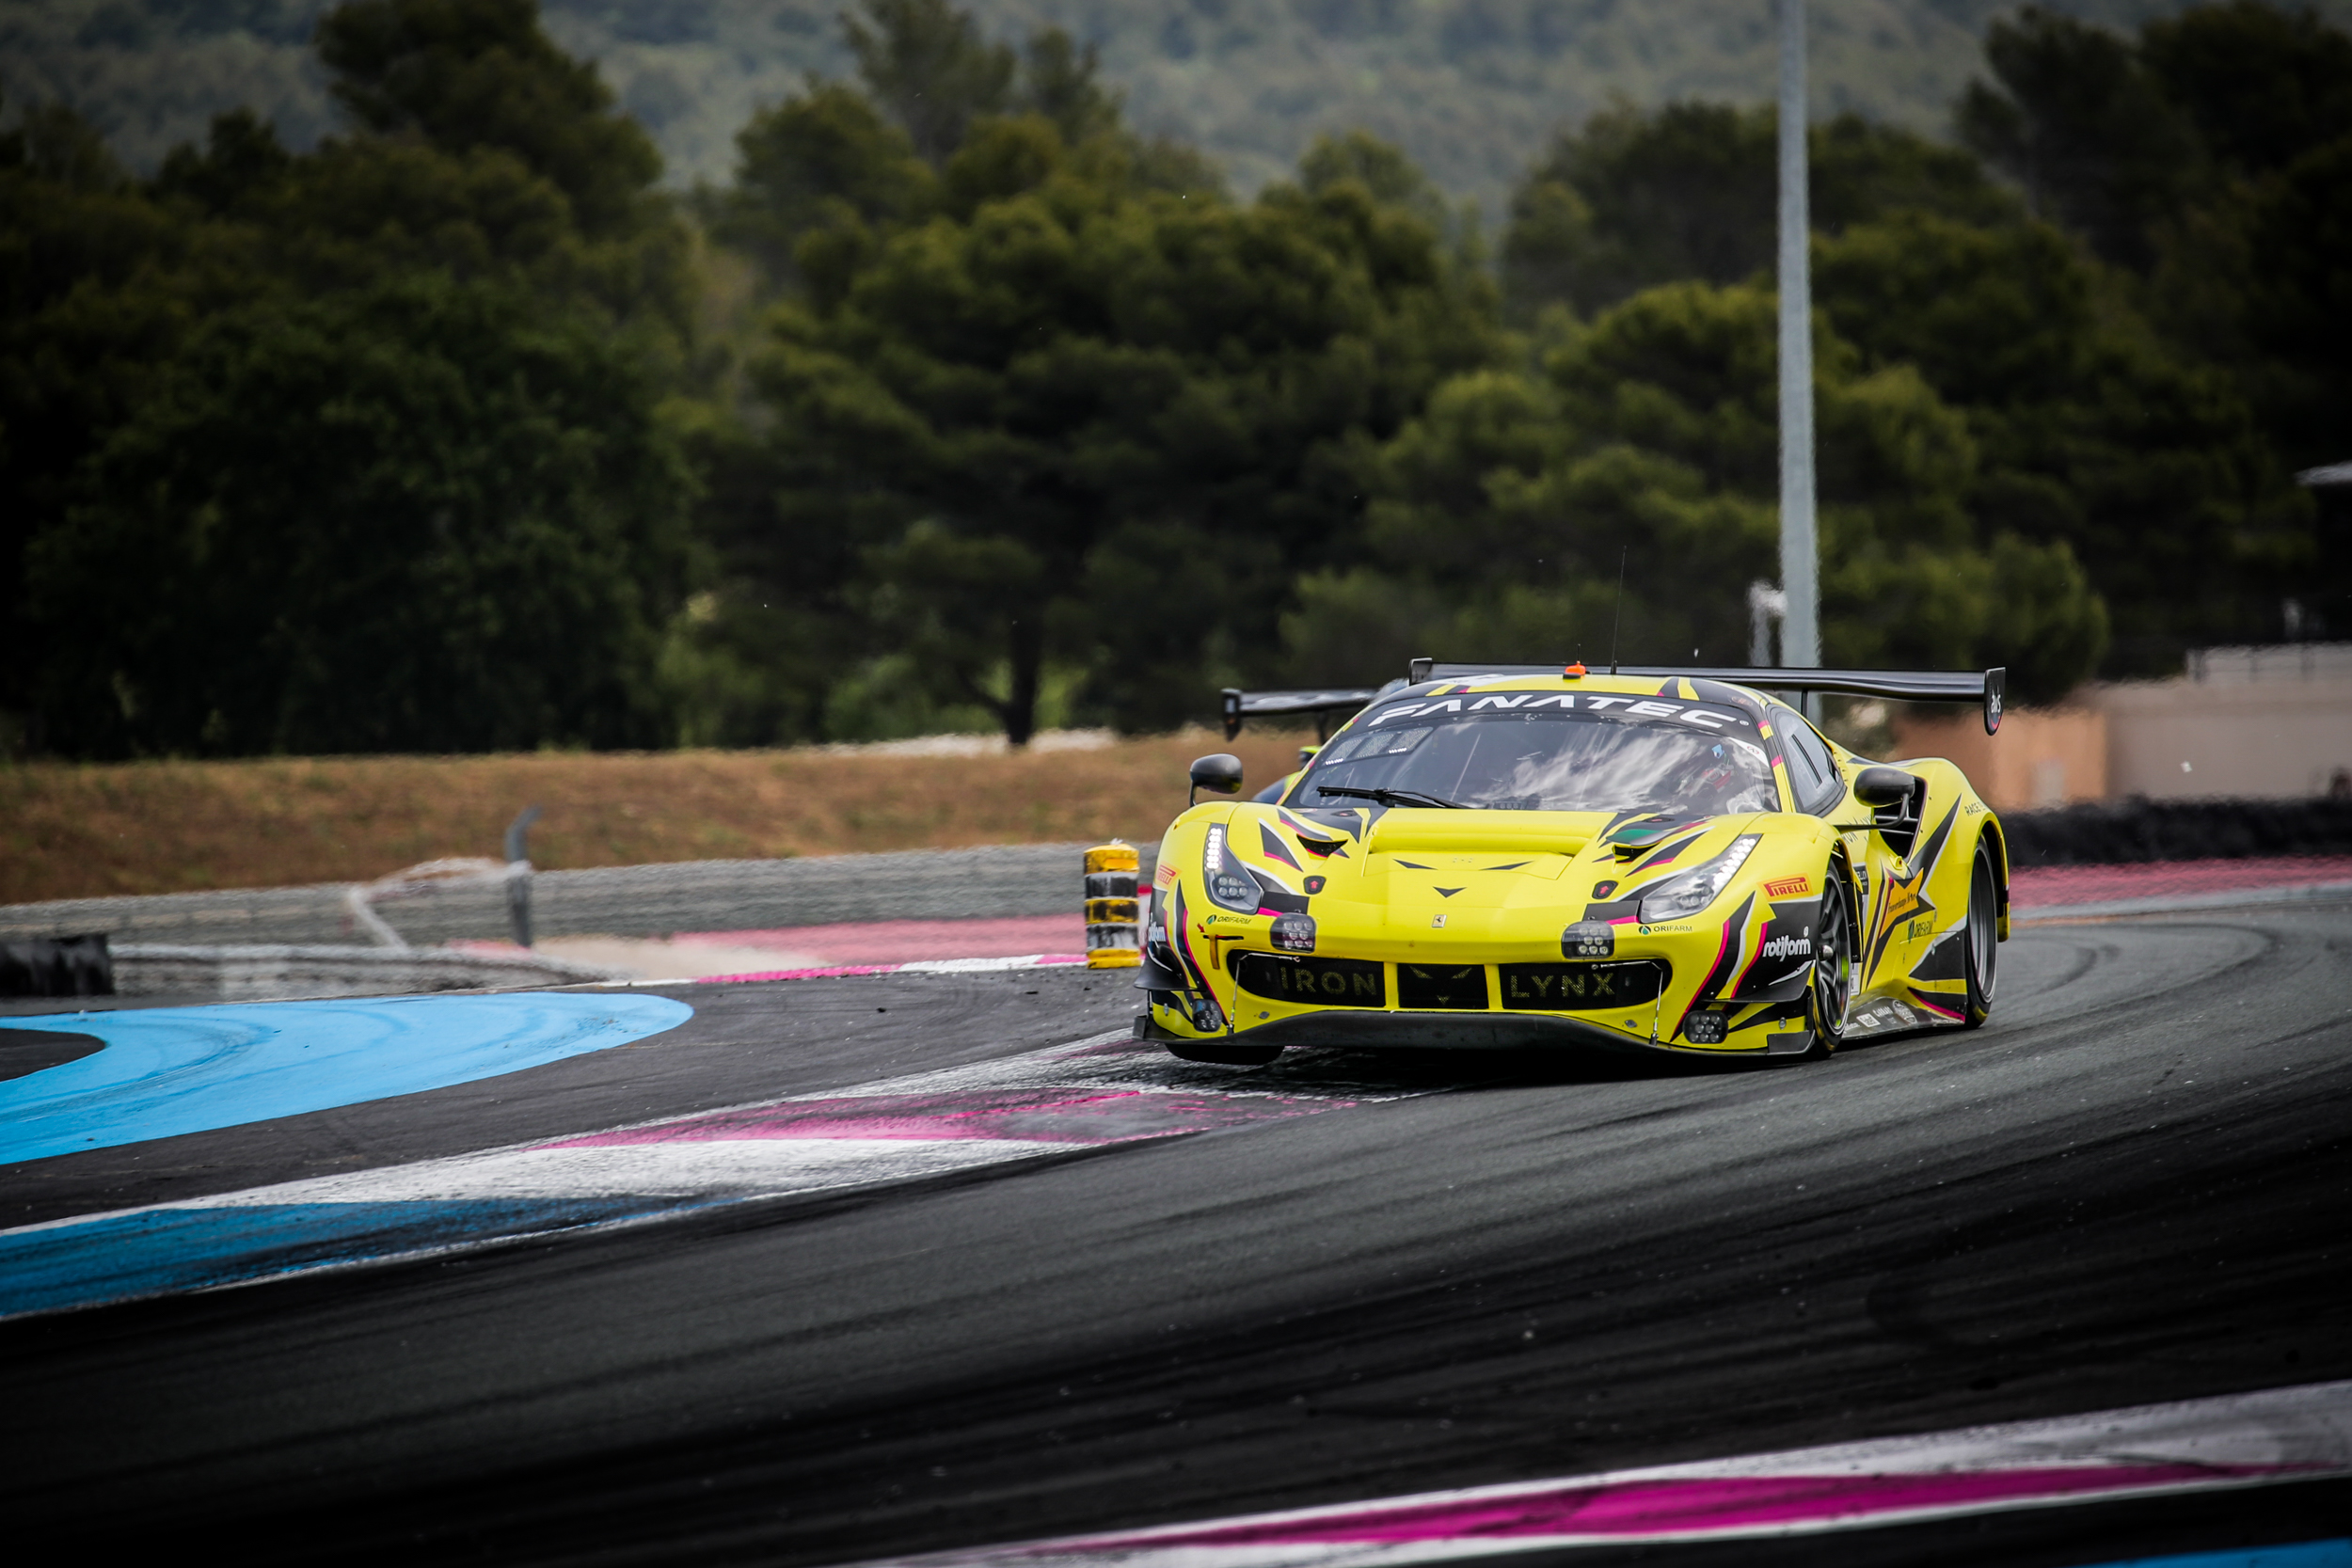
(1783, 947)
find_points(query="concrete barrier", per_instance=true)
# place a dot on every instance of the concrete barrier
(621, 900)
(274, 973)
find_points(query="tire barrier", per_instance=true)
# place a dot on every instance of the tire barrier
(57, 966)
(1114, 926)
(2118, 833)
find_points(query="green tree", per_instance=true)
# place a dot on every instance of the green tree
(1384, 172)
(826, 181)
(425, 516)
(1062, 83)
(462, 74)
(486, 166)
(241, 166)
(2262, 86)
(2300, 311)
(1651, 439)
(833, 166)
(2084, 127)
(927, 66)
(1062, 379)
(1029, 365)
(824, 162)
(2148, 466)
(2133, 412)
(2250, 274)
(1636, 198)
(96, 283)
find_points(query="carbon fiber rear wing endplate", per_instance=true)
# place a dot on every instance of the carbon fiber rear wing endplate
(1322, 702)
(1912, 685)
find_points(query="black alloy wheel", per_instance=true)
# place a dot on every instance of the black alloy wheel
(1984, 947)
(1829, 993)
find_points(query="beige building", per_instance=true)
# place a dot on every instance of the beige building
(2269, 722)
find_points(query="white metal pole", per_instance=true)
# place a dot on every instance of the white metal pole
(1800, 632)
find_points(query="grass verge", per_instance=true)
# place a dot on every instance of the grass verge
(71, 831)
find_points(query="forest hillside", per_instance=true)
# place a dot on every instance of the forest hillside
(1466, 88)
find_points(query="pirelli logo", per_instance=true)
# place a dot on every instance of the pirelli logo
(1788, 887)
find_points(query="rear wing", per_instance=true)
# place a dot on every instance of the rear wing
(1322, 702)
(1984, 687)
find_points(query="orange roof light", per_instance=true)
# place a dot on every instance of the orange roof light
(1574, 671)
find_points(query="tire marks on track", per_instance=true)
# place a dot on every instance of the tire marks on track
(1088, 1095)
(2262, 1438)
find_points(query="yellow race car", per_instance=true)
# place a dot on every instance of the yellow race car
(1518, 855)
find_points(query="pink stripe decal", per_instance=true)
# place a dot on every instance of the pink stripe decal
(1741, 1504)
(1943, 1010)
(1034, 1115)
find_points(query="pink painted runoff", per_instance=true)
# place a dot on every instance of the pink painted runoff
(1730, 1504)
(896, 942)
(1037, 961)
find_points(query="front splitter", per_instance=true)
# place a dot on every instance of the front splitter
(1462, 1031)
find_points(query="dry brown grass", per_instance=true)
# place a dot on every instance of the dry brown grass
(69, 832)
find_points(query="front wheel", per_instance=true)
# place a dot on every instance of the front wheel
(1829, 993)
(1983, 939)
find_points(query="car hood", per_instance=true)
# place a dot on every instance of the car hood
(1420, 860)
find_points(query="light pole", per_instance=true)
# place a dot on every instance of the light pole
(1800, 551)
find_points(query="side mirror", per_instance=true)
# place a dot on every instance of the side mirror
(1219, 772)
(1894, 798)
(1880, 786)
(1884, 785)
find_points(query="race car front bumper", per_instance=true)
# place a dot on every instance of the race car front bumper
(1440, 1030)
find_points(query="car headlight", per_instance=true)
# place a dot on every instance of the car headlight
(1686, 894)
(1228, 883)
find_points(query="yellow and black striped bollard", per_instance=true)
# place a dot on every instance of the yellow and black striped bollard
(1114, 938)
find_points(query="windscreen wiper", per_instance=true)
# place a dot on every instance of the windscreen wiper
(1390, 797)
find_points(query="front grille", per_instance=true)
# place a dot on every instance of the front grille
(1441, 986)
(1322, 982)
(1580, 987)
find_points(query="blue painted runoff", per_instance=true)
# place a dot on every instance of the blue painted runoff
(2307, 1554)
(149, 1252)
(169, 1071)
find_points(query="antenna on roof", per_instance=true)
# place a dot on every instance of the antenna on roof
(1616, 616)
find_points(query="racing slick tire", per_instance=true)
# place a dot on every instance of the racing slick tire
(1829, 989)
(1983, 941)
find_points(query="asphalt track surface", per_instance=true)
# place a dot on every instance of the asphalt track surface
(2134, 1186)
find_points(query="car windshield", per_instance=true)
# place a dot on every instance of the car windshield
(1513, 751)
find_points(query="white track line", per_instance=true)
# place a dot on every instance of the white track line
(2236, 1440)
